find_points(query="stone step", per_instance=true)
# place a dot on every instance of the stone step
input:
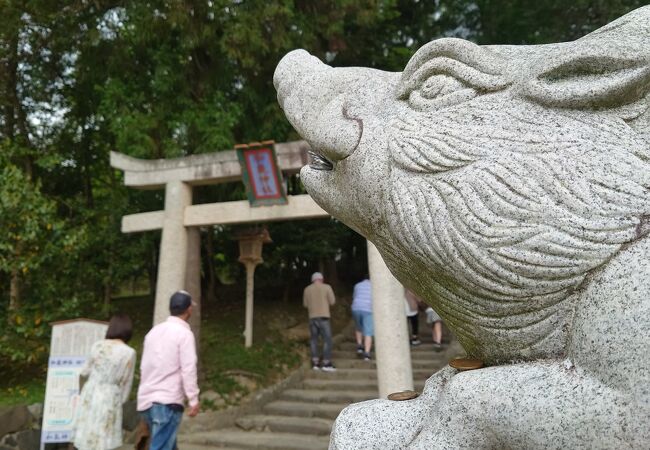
(420, 377)
(329, 395)
(425, 347)
(369, 373)
(357, 363)
(195, 447)
(336, 384)
(260, 440)
(442, 356)
(424, 335)
(286, 424)
(302, 409)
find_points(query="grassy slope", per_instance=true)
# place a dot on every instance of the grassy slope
(225, 361)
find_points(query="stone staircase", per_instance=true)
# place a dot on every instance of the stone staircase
(301, 416)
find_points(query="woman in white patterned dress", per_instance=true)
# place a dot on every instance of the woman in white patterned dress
(109, 370)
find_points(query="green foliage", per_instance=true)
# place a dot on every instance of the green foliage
(261, 362)
(167, 78)
(542, 22)
(222, 351)
(300, 248)
(28, 220)
(224, 355)
(22, 392)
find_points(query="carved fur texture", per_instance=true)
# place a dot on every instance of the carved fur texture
(494, 180)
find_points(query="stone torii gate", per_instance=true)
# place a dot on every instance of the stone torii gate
(179, 265)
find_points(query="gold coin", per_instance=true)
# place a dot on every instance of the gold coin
(404, 395)
(466, 363)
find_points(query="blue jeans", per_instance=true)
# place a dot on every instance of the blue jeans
(320, 326)
(363, 322)
(163, 423)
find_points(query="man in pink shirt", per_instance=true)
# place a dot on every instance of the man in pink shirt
(168, 374)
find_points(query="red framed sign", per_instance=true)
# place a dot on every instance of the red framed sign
(261, 174)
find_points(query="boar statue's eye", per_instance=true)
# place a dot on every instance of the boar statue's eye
(439, 85)
(439, 91)
(449, 71)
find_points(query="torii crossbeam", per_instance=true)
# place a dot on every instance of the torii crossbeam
(179, 263)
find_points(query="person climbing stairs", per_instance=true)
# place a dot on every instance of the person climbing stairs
(301, 416)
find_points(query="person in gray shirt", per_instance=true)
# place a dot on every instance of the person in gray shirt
(317, 298)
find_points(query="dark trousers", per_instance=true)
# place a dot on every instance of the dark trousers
(413, 320)
(320, 326)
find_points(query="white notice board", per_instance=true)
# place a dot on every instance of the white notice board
(69, 348)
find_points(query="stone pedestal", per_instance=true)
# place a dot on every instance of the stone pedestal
(394, 372)
(172, 263)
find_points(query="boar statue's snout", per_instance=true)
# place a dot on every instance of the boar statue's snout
(309, 92)
(293, 67)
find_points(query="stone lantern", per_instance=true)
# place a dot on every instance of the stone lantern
(250, 254)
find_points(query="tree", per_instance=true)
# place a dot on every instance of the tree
(542, 22)
(29, 223)
(166, 78)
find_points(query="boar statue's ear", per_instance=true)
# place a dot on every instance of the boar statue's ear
(608, 69)
(591, 81)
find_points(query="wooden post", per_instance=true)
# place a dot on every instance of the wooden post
(250, 282)
(250, 254)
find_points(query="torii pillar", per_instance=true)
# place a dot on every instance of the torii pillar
(179, 264)
(392, 348)
(179, 258)
(174, 249)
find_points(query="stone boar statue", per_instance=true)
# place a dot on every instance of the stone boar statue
(509, 186)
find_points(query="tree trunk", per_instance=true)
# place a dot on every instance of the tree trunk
(14, 286)
(211, 278)
(332, 275)
(288, 287)
(108, 282)
(86, 173)
(153, 271)
(10, 100)
(14, 292)
(108, 293)
(16, 128)
(14, 296)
